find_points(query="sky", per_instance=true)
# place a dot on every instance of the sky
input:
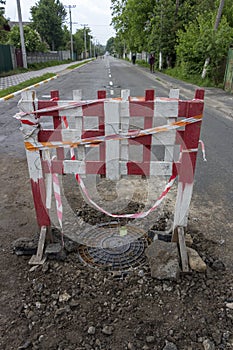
(93, 13)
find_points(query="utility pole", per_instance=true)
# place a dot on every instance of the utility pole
(71, 35)
(85, 42)
(94, 46)
(90, 47)
(24, 54)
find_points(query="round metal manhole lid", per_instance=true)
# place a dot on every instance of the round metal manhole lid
(115, 247)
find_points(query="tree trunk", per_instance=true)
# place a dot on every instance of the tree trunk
(217, 21)
(219, 14)
(177, 6)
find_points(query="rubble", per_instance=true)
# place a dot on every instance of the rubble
(163, 259)
(195, 261)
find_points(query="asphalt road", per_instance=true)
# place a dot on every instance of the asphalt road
(212, 202)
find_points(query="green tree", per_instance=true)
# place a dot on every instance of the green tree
(154, 25)
(162, 38)
(31, 37)
(48, 17)
(110, 46)
(120, 46)
(228, 11)
(79, 40)
(199, 40)
(118, 9)
(4, 25)
(66, 38)
(148, 25)
(131, 20)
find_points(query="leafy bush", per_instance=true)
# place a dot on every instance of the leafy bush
(32, 39)
(198, 41)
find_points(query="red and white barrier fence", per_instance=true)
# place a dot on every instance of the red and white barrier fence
(170, 122)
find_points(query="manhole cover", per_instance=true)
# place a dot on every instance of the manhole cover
(115, 247)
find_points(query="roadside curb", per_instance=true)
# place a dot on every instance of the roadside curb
(7, 97)
(65, 71)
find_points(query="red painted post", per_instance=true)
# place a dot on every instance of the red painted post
(189, 140)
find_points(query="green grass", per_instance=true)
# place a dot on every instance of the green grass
(176, 73)
(34, 81)
(13, 72)
(41, 65)
(25, 84)
(143, 63)
(193, 79)
(79, 64)
(33, 67)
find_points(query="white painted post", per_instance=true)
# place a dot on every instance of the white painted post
(124, 120)
(112, 122)
(29, 103)
(78, 125)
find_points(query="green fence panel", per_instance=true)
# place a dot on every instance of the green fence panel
(5, 58)
(228, 79)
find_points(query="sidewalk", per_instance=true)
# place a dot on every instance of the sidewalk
(16, 79)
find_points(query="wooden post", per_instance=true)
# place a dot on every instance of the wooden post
(183, 249)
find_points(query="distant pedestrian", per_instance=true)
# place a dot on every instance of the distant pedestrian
(134, 58)
(96, 55)
(152, 63)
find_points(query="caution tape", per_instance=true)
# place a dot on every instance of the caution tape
(36, 145)
(139, 215)
(85, 192)
(57, 195)
(129, 216)
(69, 105)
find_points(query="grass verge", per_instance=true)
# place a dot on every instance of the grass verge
(25, 84)
(41, 65)
(193, 79)
(73, 66)
(33, 67)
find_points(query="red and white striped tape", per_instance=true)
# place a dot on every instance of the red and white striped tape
(140, 215)
(57, 195)
(35, 145)
(130, 216)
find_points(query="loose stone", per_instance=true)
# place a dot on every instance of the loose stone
(91, 330)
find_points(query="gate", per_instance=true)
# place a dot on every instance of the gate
(171, 122)
(5, 58)
(19, 57)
